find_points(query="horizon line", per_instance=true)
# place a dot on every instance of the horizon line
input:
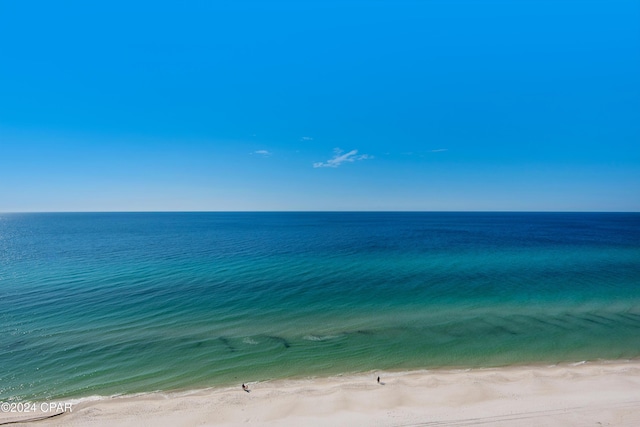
(317, 211)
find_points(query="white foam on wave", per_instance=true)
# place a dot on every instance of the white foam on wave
(95, 398)
(318, 338)
(251, 341)
(88, 399)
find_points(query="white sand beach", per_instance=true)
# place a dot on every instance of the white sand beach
(598, 393)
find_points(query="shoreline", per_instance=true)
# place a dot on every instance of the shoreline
(565, 394)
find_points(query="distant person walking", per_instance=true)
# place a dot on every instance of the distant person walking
(378, 380)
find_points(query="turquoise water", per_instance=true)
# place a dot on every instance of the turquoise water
(104, 304)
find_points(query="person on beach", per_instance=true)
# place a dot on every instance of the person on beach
(245, 388)
(378, 380)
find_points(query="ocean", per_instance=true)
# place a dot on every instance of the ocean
(118, 303)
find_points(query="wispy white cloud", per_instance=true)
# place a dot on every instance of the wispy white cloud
(439, 150)
(264, 153)
(339, 157)
(306, 138)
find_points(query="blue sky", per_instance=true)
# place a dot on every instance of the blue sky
(320, 105)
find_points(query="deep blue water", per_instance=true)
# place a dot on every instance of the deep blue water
(110, 303)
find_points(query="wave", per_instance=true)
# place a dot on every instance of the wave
(319, 337)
